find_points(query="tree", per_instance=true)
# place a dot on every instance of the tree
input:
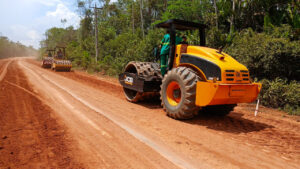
(142, 18)
(14, 49)
(216, 13)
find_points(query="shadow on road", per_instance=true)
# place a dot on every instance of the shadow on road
(232, 123)
(152, 103)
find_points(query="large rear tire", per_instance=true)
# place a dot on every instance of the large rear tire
(178, 93)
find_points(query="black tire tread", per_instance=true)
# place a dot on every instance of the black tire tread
(188, 109)
(146, 70)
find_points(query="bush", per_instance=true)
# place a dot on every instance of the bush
(281, 94)
(267, 55)
(217, 38)
(117, 52)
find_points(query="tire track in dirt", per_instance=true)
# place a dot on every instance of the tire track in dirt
(30, 137)
(165, 152)
(256, 132)
(4, 70)
(144, 152)
(108, 86)
(282, 137)
(272, 134)
(267, 133)
(278, 138)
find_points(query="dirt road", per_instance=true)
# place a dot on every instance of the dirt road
(74, 120)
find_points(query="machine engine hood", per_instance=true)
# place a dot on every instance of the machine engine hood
(223, 60)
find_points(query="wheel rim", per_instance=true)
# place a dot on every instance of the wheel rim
(173, 93)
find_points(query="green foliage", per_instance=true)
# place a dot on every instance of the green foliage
(267, 55)
(281, 94)
(86, 26)
(58, 37)
(268, 23)
(116, 53)
(217, 38)
(199, 11)
(294, 14)
(292, 110)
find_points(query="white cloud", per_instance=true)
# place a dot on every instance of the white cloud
(53, 19)
(63, 12)
(33, 34)
(46, 2)
(25, 35)
(31, 18)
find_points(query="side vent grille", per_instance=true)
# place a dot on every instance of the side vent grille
(229, 70)
(233, 76)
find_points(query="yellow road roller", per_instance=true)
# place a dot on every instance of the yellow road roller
(60, 61)
(198, 77)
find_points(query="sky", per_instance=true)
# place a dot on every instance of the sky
(26, 21)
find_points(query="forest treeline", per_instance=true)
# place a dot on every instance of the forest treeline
(14, 49)
(262, 34)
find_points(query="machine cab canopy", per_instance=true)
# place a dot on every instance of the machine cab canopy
(181, 25)
(175, 24)
(50, 52)
(60, 52)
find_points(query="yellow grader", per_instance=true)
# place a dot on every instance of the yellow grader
(60, 62)
(48, 58)
(198, 77)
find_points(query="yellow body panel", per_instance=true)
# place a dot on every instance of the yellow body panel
(209, 93)
(235, 85)
(212, 55)
(58, 66)
(61, 65)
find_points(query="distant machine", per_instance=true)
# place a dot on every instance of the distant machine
(60, 62)
(48, 58)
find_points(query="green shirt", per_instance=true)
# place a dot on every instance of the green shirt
(178, 40)
(165, 44)
(165, 49)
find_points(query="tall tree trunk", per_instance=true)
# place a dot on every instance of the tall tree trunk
(166, 4)
(232, 17)
(216, 12)
(142, 19)
(132, 16)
